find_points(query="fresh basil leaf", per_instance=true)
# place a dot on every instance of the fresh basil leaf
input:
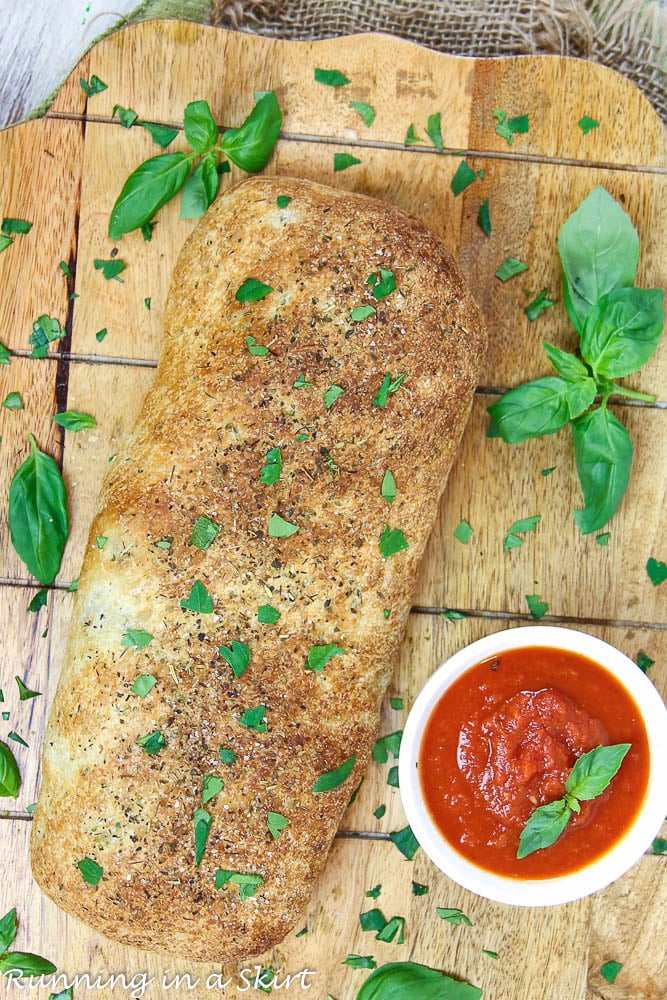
(405, 841)
(544, 827)
(656, 570)
(26, 964)
(248, 884)
(610, 970)
(91, 872)
(267, 615)
(95, 86)
(540, 407)
(622, 330)
(275, 822)
(365, 110)
(10, 778)
(403, 980)
(333, 393)
(537, 608)
(272, 468)
(434, 131)
(587, 124)
(211, 786)
(484, 218)
(5, 241)
(39, 600)
(463, 178)
(392, 541)
(126, 116)
(567, 365)
(8, 928)
(160, 134)
(453, 915)
(252, 290)
(146, 190)
(238, 656)
(254, 349)
(332, 779)
(383, 285)
(411, 139)
(344, 160)
(599, 251)
(38, 520)
(360, 313)
(72, 420)
(199, 189)
(202, 822)
(25, 694)
(593, 771)
(45, 330)
(199, 600)
(12, 401)
(136, 638)
(251, 145)
(509, 268)
(331, 78)
(463, 532)
(254, 718)
(15, 227)
(143, 685)
(280, 528)
(152, 743)
(388, 488)
(388, 387)
(603, 453)
(319, 656)
(199, 126)
(538, 305)
(204, 533)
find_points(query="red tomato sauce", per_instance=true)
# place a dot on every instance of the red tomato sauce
(501, 742)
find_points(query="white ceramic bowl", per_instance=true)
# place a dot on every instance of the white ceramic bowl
(626, 851)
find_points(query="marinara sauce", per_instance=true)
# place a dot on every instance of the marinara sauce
(501, 742)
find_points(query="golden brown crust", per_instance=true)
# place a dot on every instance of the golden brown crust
(197, 451)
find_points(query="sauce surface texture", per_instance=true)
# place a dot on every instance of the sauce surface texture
(501, 742)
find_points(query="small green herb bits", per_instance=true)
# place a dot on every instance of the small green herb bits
(91, 872)
(199, 600)
(463, 532)
(405, 841)
(10, 777)
(388, 387)
(484, 217)
(275, 822)
(5, 354)
(283, 200)
(434, 131)
(111, 269)
(523, 525)
(143, 685)
(25, 694)
(342, 161)
(126, 116)
(136, 638)
(226, 756)
(382, 284)
(333, 393)
(272, 467)
(38, 519)
(152, 743)
(255, 719)
(45, 330)
(15, 227)
(509, 127)
(319, 656)
(411, 139)
(463, 178)
(92, 86)
(302, 383)
(330, 77)
(237, 656)
(12, 401)
(211, 786)
(204, 533)
(365, 110)
(537, 607)
(656, 571)
(280, 528)
(248, 883)
(160, 134)
(202, 825)
(392, 541)
(252, 290)
(388, 488)
(453, 915)
(267, 615)
(509, 268)
(360, 313)
(588, 124)
(539, 304)
(255, 349)
(333, 779)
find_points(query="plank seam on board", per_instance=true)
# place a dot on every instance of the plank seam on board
(449, 151)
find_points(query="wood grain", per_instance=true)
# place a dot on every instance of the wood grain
(82, 158)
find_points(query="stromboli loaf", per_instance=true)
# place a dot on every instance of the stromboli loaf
(197, 451)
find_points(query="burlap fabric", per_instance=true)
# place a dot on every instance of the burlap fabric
(630, 36)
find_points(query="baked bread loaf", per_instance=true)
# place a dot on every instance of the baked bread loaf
(190, 731)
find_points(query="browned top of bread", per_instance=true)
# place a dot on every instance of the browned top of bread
(198, 451)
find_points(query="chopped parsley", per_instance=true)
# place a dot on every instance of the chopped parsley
(538, 305)
(360, 962)
(93, 86)
(252, 290)
(25, 694)
(382, 285)
(332, 779)
(390, 744)
(319, 656)
(388, 488)
(203, 533)
(463, 532)
(453, 915)
(160, 134)
(272, 467)
(226, 756)
(238, 657)
(45, 330)
(110, 269)
(405, 841)
(537, 608)
(463, 178)
(365, 110)
(451, 615)
(301, 383)
(587, 124)
(331, 78)
(344, 160)
(202, 822)
(392, 540)
(419, 889)
(280, 528)
(275, 822)
(91, 872)
(434, 131)
(331, 395)
(101, 541)
(136, 638)
(392, 776)
(603, 539)
(509, 127)
(509, 268)
(257, 350)
(248, 884)
(379, 813)
(610, 970)
(484, 218)
(372, 920)
(283, 200)
(389, 387)
(396, 704)
(38, 601)
(254, 718)
(657, 571)
(152, 743)
(211, 785)
(267, 615)
(522, 526)
(15, 227)
(199, 600)
(644, 662)
(126, 116)
(143, 684)
(12, 401)
(360, 313)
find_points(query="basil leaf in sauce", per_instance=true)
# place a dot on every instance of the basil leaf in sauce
(593, 771)
(544, 827)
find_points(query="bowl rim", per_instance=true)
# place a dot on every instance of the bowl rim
(606, 868)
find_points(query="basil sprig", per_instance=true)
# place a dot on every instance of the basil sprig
(397, 980)
(19, 961)
(619, 328)
(158, 179)
(38, 521)
(591, 774)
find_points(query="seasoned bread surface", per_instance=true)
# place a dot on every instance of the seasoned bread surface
(198, 451)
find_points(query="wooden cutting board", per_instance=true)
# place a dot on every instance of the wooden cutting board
(64, 172)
